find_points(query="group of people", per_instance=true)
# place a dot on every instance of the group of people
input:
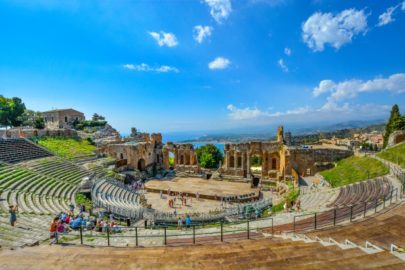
(178, 197)
(181, 222)
(287, 206)
(65, 222)
(137, 186)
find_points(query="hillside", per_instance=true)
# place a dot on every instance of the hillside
(395, 154)
(354, 169)
(69, 148)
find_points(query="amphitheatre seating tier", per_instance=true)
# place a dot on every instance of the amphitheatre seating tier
(18, 150)
(245, 254)
(59, 169)
(363, 192)
(29, 230)
(383, 229)
(114, 196)
(32, 191)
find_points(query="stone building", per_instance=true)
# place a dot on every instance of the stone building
(63, 118)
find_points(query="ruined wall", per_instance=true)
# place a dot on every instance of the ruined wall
(31, 132)
(396, 137)
(238, 158)
(146, 155)
(185, 157)
(311, 161)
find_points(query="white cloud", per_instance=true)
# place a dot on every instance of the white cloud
(287, 51)
(219, 9)
(219, 63)
(202, 32)
(326, 28)
(351, 88)
(250, 113)
(164, 38)
(306, 114)
(243, 113)
(282, 65)
(146, 68)
(386, 17)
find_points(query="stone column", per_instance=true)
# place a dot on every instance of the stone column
(264, 163)
(248, 163)
(227, 160)
(235, 160)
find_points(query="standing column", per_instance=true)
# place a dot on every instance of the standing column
(264, 163)
(248, 163)
(235, 160)
(227, 160)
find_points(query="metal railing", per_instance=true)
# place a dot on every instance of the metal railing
(333, 217)
(171, 235)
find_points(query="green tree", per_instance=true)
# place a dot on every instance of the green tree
(11, 110)
(209, 156)
(134, 132)
(97, 117)
(33, 119)
(394, 123)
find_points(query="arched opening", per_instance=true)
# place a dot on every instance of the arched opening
(239, 162)
(274, 164)
(182, 159)
(256, 161)
(231, 161)
(121, 156)
(141, 164)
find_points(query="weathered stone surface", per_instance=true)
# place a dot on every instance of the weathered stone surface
(396, 137)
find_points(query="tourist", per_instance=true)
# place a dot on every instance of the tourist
(179, 223)
(13, 214)
(61, 227)
(53, 231)
(71, 207)
(198, 196)
(298, 206)
(161, 194)
(188, 221)
(67, 219)
(285, 206)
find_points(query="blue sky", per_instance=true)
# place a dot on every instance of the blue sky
(206, 64)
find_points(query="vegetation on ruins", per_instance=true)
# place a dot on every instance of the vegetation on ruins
(97, 117)
(395, 122)
(256, 161)
(82, 199)
(209, 156)
(33, 119)
(69, 148)
(395, 154)
(89, 125)
(354, 169)
(11, 110)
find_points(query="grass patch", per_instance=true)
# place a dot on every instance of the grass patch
(82, 199)
(394, 154)
(68, 148)
(291, 196)
(354, 169)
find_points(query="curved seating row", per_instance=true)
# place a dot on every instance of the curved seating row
(264, 253)
(33, 192)
(363, 192)
(58, 169)
(18, 150)
(115, 197)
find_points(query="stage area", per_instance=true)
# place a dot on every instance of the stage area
(207, 189)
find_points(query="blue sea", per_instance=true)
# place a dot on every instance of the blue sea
(220, 146)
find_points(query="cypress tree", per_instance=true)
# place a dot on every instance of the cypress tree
(389, 128)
